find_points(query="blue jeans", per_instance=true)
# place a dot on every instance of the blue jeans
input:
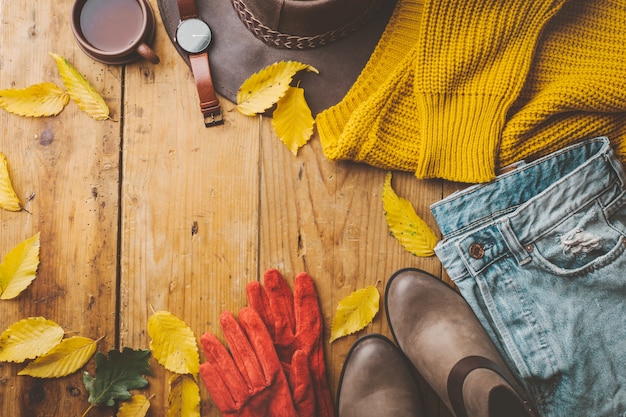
(539, 254)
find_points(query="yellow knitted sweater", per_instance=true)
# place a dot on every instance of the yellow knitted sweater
(457, 89)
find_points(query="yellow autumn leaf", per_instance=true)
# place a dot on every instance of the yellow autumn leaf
(136, 406)
(184, 397)
(19, 268)
(292, 119)
(173, 344)
(29, 338)
(8, 198)
(405, 225)
(44, 99)
(65, 358)
(264, 88)
(80, 90)
(355, 312)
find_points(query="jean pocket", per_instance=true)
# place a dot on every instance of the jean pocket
(584, 240)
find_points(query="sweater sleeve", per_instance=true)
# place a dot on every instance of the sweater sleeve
(474, 58)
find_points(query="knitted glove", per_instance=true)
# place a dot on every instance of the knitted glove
(251, 382)
(295, 325)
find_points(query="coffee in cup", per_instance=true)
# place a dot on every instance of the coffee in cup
(114, 31)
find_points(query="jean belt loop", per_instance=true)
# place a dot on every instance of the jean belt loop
(519, 251)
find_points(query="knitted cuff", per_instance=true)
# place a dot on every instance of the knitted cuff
(399, 37)
(460, 136)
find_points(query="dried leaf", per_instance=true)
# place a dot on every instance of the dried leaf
(264, 88)
(65, 358)
(355, 312)
(184, 398)
(115, 375)
(19, 268)
(80, 90)
(8, 198)
(137, 406)
(29, 338)
(292, 119)
(45, 99)
(173, 344)
(405, 225)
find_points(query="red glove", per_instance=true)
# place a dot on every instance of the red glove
(295, 324)
(251, 382)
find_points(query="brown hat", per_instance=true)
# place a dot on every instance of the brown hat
(335, 36)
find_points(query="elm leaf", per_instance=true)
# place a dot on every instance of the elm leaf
(19, 268)
(184, 397)
(80, 90)
(65, 358)
(173, 343)
(292, 119)
(8, 198)
(137, 406)
(263, 89)
(405, 225)
(29, 338)
(354, 312)
(44, 99)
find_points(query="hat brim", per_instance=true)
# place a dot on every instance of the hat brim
(235, 53)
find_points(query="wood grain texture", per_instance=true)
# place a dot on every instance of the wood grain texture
(154, 212)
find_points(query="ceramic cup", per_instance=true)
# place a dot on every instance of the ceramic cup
(114, 31)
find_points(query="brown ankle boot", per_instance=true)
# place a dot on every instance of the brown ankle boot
(439, 333)
(377, 380)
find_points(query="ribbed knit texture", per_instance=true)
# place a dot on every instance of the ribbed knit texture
(353, 129)
(576, 88)
(483, 84)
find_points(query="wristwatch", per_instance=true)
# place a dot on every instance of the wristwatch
(193, 35)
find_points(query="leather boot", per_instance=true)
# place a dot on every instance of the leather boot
(377, 380)
(439, 333)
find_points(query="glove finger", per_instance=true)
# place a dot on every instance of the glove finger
(308, 314)
(309, 334)
(261, 343)
(301, 384)
(258, 300)
(281, 302)
(221, 376)
(243, 353)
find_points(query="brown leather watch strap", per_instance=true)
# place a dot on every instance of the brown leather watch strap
(209, 104)
(187, 9)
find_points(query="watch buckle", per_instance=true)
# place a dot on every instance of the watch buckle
(213, 119)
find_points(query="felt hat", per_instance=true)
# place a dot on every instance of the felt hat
(336, 37)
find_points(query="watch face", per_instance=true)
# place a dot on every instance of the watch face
(193, 35)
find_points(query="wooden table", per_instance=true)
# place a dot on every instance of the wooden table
(154, 211)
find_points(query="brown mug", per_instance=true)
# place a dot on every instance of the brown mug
(114, 31)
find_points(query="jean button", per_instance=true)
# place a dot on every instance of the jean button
(476, 250)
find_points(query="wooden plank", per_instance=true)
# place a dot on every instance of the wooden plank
(65, 171)
(189, 209)
(327, 219)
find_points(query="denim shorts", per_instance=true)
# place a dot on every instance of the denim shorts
(539, 254)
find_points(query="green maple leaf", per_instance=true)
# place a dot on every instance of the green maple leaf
(122, 371)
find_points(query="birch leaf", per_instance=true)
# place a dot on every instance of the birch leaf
(292, 119)
(173, 344)
(355, 312)
(136, 406)
(45, 99)
(19, 268)
(8, 198)
(80, 90)
(65, 358)
(184, 398)
(405, 225)
(264, 88)
(29, 338)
